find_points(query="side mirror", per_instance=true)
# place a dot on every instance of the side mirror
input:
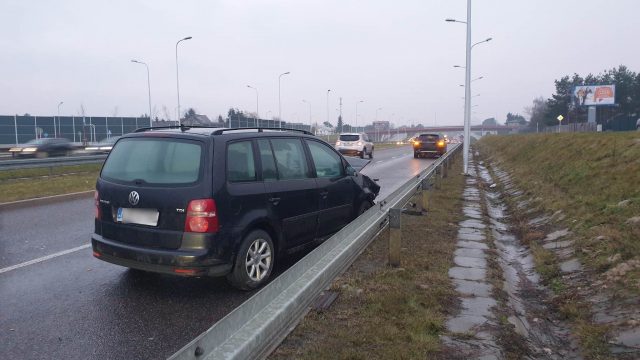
(351, 171)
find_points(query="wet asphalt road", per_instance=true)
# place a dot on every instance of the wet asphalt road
(76, 307)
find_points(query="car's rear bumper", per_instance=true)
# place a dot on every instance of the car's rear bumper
(191, 262)
(350, 151)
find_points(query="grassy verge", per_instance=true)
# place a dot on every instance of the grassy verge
(33, 183)
(593, 180)
(390, 313)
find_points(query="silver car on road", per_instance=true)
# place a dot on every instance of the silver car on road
(355, 144)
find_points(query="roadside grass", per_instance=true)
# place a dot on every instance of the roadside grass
(586, 177)
(34, 183)
(390, 313)
(48, 171)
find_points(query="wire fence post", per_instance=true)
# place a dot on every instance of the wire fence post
(395, 236)
(15, 126)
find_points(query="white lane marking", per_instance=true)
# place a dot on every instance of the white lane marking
(379, 161)
(44, 258)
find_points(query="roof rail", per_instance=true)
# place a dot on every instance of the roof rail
(181, 127)
(259, 129)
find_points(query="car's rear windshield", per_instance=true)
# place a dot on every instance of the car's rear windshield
(429, 137)
(154, 161)
(349, 137)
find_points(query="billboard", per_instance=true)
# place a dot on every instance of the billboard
(592, 95)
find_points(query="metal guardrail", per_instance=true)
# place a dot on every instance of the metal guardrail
(255, 328)
(50, 162)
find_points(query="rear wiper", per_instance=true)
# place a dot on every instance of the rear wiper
(139, 181)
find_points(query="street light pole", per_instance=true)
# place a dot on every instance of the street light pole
(257, 108)
(55, 133)
(376, 125)
(279, 98)
(305, 101)
(178, 78)
(357, 102)
(148, 85)
(328, 91)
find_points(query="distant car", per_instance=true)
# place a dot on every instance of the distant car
(103, 147)
(355, 144)
(196, 201)
(42, 148)
(429, 145)
(638, 125)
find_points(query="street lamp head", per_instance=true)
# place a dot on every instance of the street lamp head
(450, 20)
(61, 102)
(187, 38)
(287, 73)
(458, 66)
(489, 39)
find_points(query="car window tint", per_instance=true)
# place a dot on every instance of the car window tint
(328, 164)
(349, 137)
(269, 171)
(154, 161)
(240, 163)
(290, 159)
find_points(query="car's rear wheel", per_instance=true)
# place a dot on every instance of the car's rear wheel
(371, 154)
(415, 155)
(364, 151)
(42, 154)
(254, 261)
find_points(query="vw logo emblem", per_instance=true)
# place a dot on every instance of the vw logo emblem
(134, 198)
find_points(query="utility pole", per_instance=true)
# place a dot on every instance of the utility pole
(342, 127)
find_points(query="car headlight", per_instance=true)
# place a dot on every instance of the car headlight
(15, 149)
(30, 149)
(338, 143)
(106, 148)
(91, 148)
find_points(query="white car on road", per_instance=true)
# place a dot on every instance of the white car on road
(355, 144)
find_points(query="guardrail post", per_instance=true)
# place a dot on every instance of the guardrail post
(395, 236)
(426, 188)
(445, 168)
(437, 174)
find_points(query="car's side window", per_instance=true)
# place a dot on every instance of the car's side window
(269, 171)
(240, 162)
(290, 159)
(365, 138)
(328, 164)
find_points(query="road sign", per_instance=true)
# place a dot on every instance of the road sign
(560, 118)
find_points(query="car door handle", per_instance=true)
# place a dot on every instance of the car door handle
(274, 200)
(324, 194)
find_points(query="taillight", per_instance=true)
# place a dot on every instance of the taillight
(202, 216)
(96, 202)
(416, 143)
(440, 143)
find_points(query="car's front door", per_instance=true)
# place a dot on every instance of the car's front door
(336, 190)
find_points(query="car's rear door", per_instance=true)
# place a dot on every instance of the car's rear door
(336, 190)
(292, 198)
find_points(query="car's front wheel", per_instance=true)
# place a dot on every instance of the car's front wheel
(254, 261)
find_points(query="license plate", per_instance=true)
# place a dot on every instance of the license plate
(137, 216)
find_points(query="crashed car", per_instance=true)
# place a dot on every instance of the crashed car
(197, 201)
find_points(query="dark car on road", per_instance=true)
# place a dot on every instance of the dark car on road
(103, 147)
(429, 145)
(43, 147)
(197, 201)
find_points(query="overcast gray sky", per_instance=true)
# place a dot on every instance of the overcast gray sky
(395, 55)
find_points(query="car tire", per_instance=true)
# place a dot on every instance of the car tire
(42, 154)
(371, 154)
(415, 155)
(253, 262)
(362, 153)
